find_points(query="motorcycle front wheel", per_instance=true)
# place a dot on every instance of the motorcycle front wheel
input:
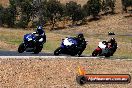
(21, 48)
(57, 51)
(95, 53)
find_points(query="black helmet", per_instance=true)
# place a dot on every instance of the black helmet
(80, 35)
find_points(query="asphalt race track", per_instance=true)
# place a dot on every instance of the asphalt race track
(42, 55)
(15, 53)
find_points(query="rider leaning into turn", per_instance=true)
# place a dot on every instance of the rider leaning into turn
(80, 39)
(41, 34)
(113, 43)
(81, 43)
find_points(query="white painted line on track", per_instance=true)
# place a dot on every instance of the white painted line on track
(41, 57)
(57, 57)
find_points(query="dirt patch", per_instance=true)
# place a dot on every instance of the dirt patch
(58, 73)
(5, 46)
(5, 3)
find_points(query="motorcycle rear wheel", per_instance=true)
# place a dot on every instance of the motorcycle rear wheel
(37, 49)
(108, 54)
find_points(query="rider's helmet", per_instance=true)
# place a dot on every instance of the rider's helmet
(40, 30)
(80, 35)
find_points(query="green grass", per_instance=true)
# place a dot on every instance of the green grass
(51, 45)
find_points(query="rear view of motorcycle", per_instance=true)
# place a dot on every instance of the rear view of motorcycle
(30, 44)
(69, 46)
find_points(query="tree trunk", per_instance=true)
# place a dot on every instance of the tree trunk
(0, 22)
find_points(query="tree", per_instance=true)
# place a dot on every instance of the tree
(23, 22)
(12, 13)
(55, 10)
(125, 4)
(108, 6)
(8, 15)
(74, 11)
(43, 13)
(1, 15)
(26, 11)
(93, 7)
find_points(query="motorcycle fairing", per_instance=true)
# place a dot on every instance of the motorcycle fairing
(29, 37)
(101, 45)
(68, 42)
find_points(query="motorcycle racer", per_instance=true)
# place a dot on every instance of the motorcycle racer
(41, 34)
(113, 44)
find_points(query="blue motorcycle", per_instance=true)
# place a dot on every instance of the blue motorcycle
(30, 44)
(69, 46)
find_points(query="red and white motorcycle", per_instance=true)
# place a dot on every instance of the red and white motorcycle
(103, 49)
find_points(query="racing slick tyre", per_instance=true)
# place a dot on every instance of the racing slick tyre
(107, 55)
(81, 79)
(57, 51)
(38, 49)
(80, 53)
(72, 54)
(21, 48)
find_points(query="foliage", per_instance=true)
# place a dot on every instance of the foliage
(9, 15)
(26, 12)
(92, 7)
(23, 21)
(20, 13)
(55, 10)
(74, 11)
(108, 6)
(125, 4)
(1, 14)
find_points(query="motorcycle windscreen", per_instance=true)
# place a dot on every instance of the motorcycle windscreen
(69, 42)
(101, 45)
(29, 37)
